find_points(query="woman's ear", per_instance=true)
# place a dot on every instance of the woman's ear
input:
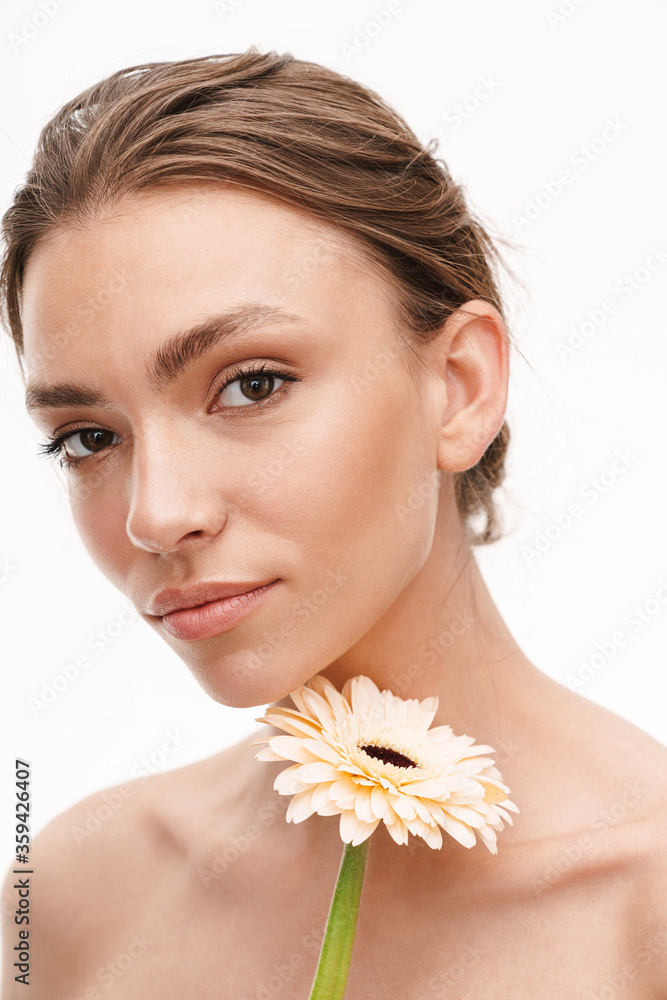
(471, 359)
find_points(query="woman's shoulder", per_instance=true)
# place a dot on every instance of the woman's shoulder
(607, 822)
(638, 812)
(147, 819)
(608, 774)
(101, 860)
(629, 765)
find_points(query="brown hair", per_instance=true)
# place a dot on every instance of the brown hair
(309, 136)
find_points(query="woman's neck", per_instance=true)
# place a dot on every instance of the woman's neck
(444, 636)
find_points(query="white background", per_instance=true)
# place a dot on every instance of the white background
(552, 82)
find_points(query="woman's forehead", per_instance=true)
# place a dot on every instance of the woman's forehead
(98, 300)
(182, 243)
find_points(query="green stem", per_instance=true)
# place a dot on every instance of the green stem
(336, 953)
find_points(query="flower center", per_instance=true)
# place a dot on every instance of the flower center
(388, 756)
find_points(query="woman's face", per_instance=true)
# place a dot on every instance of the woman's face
(179, 479)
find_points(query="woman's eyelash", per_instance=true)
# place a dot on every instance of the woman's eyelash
(239, 373)
(53, 446)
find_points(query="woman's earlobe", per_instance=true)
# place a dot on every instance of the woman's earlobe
(459, 452)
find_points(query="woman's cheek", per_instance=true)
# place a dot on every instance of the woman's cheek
(358, 497)
(100, 521)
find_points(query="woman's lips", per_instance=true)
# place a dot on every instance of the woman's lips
(211, 619)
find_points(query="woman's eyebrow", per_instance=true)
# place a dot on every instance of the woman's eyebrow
(171, 359)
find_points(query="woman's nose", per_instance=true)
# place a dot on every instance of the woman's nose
(174, 500)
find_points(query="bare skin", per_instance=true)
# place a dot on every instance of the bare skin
(195, 886)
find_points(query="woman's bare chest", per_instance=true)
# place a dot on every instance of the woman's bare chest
(267, 946)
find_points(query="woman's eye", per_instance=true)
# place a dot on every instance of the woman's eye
(249, 388)
(243, 389)
(89, 440)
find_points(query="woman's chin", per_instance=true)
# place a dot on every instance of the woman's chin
(239, 687)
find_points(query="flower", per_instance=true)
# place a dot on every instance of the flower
(370, 757)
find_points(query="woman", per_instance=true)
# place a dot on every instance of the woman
(263, 333)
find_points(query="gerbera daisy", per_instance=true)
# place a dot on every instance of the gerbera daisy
(370, 756)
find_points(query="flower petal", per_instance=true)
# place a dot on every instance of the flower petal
(418, 828)
(328, 809)
(287, 782)
(364, 697)
(426, 788)
(323, 686)
(362, 806)
(298, 699)
(343, 792)
(476, 749)
(492, 793)
(293, 748)
(292, 722)
(318, 706)
(364, 831)
(468, 791)
(321, 794)
(433, 837)
(267, 754)
(421, 809)
(323, 750)
(440, 732)
(321, 770)
(465, 814)
(349, 825)
(458, 830)
(488, 837)
(398, 831)
(353, 830)
(379, 803)
(351, 769)
(506, 816)
(402, 805)
(300, 807)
